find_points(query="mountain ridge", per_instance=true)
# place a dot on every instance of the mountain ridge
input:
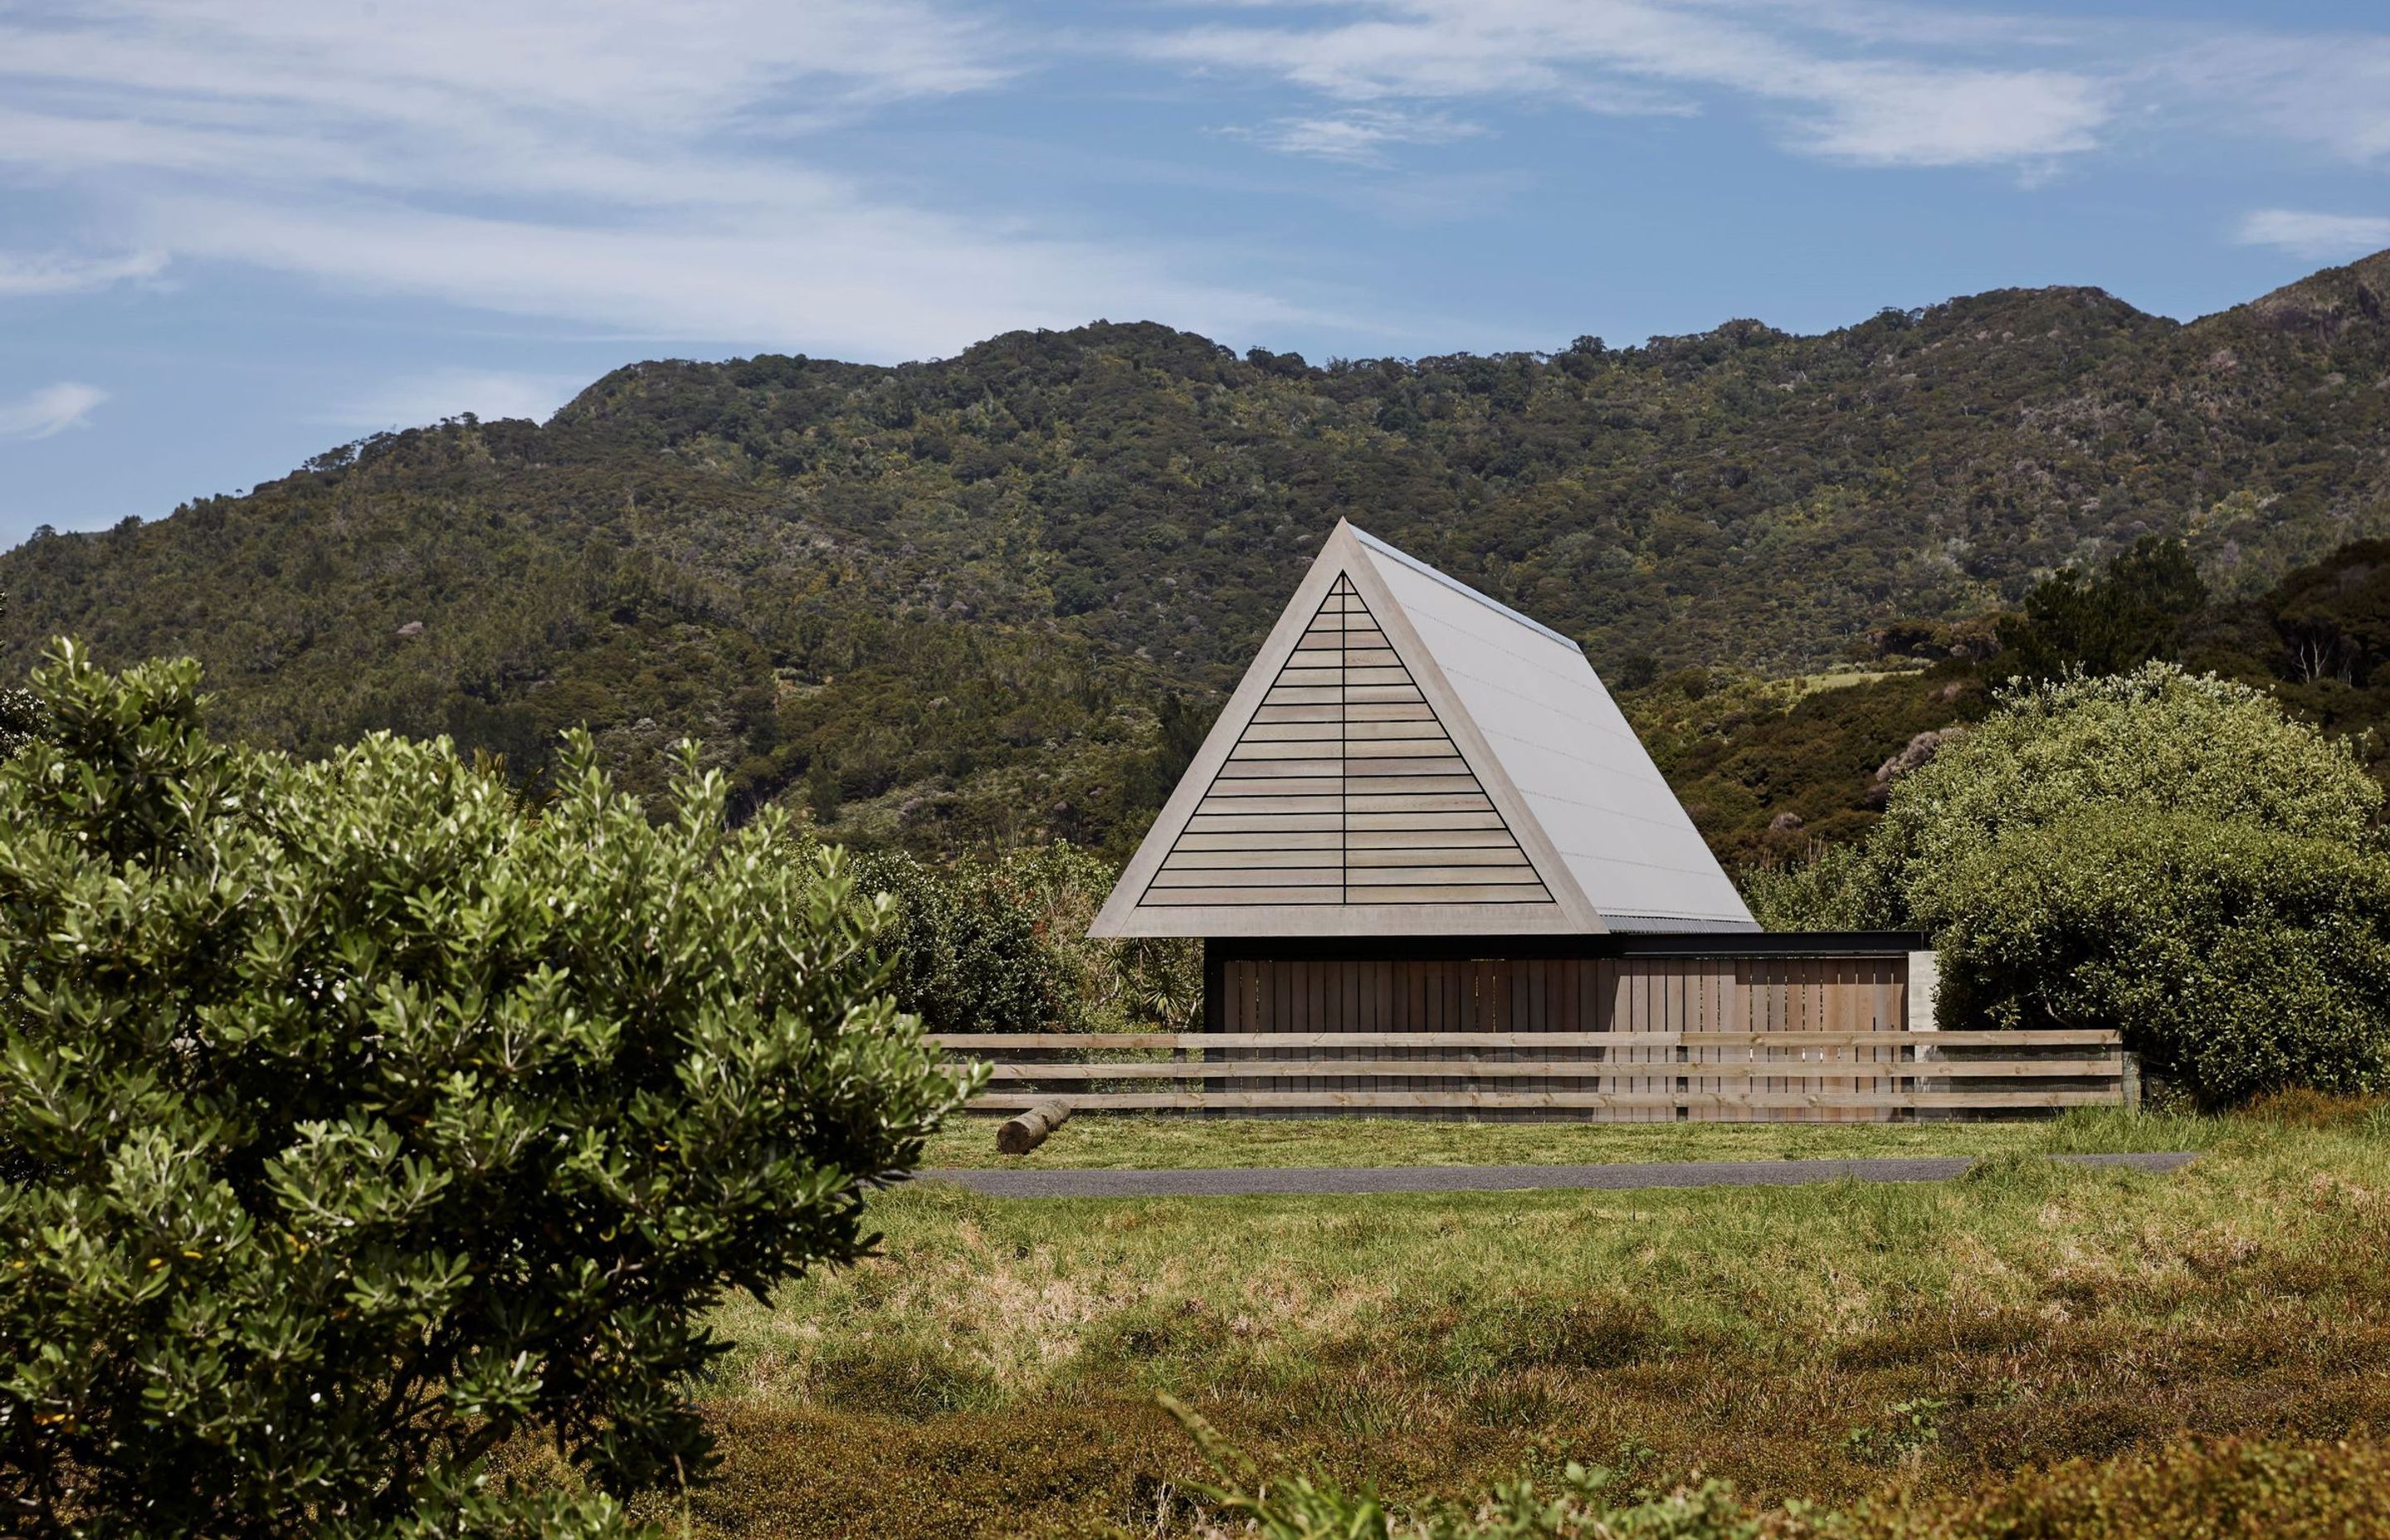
(949, 601)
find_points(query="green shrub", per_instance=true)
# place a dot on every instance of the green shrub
(2236, 959)
(964, 953)
(357, 1121)
(2159, 853)
(993, 944)
(1826, 888)
(2157, 740)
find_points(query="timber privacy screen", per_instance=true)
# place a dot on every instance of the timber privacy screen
(1435, 874)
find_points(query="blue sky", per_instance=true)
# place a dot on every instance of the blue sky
(234, 233)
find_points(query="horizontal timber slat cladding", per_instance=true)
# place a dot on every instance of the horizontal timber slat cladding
(1345, 789)
(1653, 1028)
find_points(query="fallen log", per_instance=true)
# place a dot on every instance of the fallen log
(1021, 1134)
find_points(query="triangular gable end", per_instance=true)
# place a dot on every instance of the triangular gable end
(1344, 787)
(1344, 790)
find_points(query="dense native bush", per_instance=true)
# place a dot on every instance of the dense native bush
(356, 1119)
(20, 713)
(990, 943)
(2158, 853)
(951, 600)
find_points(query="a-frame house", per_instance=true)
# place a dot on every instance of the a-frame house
(1406, 757)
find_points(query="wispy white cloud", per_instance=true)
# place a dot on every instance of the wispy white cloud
(411, 400)
(1840, 96)
(2332, 93)
(1860, 82)
(831, 271)
(52, 409)
(2316, 237)
(1359, 135)
(25, 273)
(604, 162)
(660, 172)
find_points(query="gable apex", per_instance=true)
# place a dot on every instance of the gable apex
(1391, 765)
(1378, 548)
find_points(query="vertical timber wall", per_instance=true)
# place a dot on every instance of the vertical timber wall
(1738, 981)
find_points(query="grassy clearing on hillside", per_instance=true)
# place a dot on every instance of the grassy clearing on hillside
(1107, 1142)
(993, 1372)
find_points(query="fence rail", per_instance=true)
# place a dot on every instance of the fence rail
(1630, 1075)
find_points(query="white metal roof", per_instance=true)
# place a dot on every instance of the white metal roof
(1554, 763)
(1568, 749)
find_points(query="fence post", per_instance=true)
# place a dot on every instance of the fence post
(1924, 978)
(1925, 982)
(2129, 1083)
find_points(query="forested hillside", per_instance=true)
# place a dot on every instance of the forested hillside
(994, 597)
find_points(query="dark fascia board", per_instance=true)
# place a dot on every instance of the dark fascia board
(1674, 944)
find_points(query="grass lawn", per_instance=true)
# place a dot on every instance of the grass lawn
(994, 1372)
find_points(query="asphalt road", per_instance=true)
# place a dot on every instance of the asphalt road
(1248, 1181)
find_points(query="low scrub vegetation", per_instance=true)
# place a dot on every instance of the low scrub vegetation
(1933, 1354)
(2214, 1487)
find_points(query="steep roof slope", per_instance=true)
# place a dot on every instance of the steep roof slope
(1568, 749)
(1405, 756)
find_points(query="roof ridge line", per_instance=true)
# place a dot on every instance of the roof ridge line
(1415, 564)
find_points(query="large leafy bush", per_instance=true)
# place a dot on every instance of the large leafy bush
(357, 1120)
(2158, 740)
(2236, 959)
(2158, 853)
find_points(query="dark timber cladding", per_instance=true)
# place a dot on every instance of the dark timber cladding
(1626, 1027)
(1854, 981)
(1345, 789)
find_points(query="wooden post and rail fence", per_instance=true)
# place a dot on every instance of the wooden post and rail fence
(1723, 1038)
(1633, 1076)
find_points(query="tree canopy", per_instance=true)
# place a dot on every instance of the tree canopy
(2109, 623)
